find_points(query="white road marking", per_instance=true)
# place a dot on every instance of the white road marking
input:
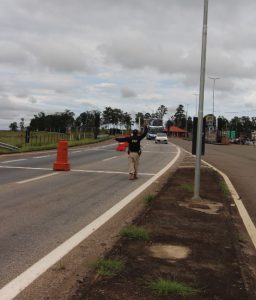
(14, 287)
(38, 157)
(78, 151)
(36, 178)
(109, 172)
(106, 159)
(165, 152)
(10, 161)
(25, 168)
(74, 170)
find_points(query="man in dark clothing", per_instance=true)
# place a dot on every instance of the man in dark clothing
(134, 151)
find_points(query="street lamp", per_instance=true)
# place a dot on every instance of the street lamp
(187, 120)
(213, 87)
(196, 103)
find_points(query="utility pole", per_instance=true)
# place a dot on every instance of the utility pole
(196, 113)
(187, 121)
(201, 106)
(213, 88)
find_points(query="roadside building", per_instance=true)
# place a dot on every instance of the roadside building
(176, 131)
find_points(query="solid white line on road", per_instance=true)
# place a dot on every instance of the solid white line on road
(109, 172)
(165, 152)
(78, 151)
(38, 157)
(14, 287)
(36, 178)
(74, 170)
(250, 227)
(25, 168)
(106, 159)
(10, 161)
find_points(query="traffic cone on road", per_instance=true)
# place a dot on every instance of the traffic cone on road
(121, 147)
(62, 163)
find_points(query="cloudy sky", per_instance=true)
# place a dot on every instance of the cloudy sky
(129, 54)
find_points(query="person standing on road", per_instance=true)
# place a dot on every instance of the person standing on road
(134, 151)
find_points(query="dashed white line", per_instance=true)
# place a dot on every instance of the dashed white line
(36, 178)
(10, 161)
(106, 159)
(25, 168)
(38, 157)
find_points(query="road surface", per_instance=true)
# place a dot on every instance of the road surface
(40, 208)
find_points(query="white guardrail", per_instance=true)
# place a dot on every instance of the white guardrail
(7, 146)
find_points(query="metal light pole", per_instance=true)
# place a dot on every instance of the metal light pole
(213, 87)
(201, 106)
(196, 104)
(187, 121)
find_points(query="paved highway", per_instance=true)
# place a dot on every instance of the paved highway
(40, 208)
(239, 163)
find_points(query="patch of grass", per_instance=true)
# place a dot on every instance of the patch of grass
(188, 187)
(167, 287)
(224, 188)
(109, 267)
(135, 233)
(149, 198)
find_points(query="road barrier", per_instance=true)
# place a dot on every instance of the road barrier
(8, 146)
(62, 163)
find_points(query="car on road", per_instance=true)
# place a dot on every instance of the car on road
(161, 137)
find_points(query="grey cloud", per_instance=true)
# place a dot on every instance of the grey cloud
(32, 100)
(127, 92)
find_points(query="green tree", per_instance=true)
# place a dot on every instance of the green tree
(139, 116)
(161, 111)
(127, 120)
(13, 126)
(180, 117)
(107, 116)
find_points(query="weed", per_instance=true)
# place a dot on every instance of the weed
(109, 267)
(224, 188)
(166, 287)
(188, 187)
(149, 198)
(135, 233)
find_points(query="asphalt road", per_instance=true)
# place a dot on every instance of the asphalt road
(40, 208)
(238, 162)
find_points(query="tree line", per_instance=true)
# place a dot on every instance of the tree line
(115, 119)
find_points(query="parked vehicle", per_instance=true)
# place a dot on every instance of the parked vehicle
(161, 137)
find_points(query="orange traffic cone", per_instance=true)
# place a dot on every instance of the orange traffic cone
(61, 163)
(121, 147)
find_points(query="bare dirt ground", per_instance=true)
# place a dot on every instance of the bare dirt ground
(201, 244)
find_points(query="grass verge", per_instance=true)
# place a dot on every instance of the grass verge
(135, 233)
(109, 267)
(149, 198)
(224, 188)
(188, 187)
(166, 287)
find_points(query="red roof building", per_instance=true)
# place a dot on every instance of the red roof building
(176, 131)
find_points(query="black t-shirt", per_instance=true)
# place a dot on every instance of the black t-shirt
(134, 141)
